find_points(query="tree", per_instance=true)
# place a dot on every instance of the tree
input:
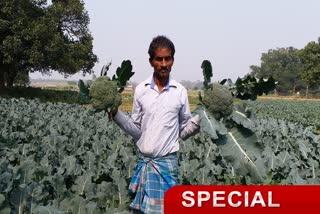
(38, 36)
(310, 57)
(14, 16)
(284, 65)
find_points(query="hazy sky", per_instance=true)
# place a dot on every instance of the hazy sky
(232, 34)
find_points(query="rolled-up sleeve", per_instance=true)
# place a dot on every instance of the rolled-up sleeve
(131, 125)
(184, 114)
(188, 125)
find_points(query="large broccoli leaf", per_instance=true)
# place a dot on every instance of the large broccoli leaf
(240, 148)
(209, 124)
(236, 141)
(243, 116)
(84, 92)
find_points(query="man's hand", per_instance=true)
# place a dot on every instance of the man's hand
(192, 128)
(112, 114)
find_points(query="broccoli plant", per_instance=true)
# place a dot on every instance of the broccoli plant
(232, 126)
(104, 93)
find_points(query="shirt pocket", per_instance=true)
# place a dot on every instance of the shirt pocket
(170, 114)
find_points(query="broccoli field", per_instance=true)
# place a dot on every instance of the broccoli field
(62, 158)
(304, 112)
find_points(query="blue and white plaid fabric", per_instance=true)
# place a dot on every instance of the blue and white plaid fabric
(152, 178)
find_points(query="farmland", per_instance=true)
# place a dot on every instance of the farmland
(64, 157)
(300, 111)
(305, 112)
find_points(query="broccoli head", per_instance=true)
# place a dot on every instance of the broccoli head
(218, 100)
(104, 94)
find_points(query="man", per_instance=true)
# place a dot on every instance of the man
(160, 117)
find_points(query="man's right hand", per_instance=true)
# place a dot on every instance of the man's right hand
(112, 114)
(192, 127)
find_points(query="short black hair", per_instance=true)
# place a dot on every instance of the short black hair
(160, 42)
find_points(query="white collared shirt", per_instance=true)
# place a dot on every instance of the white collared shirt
(158, 117)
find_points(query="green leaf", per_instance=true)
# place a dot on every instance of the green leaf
(240, 148)
(83, 184)
(124, 73)
(105, 69)
(68, 166)
(47, 210)
(209, 124)
(83, 92)
(77, 205)
(207, 72)
(92, 208)
(243, 116)
(19, 198)
(251, 87)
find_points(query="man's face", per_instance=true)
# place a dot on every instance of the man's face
(162, 63)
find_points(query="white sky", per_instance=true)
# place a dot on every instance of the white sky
(232, 34)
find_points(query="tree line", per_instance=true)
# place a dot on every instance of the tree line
(44, 36)
(47, 36)
(294, 69)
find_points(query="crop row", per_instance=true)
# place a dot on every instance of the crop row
(302, 112)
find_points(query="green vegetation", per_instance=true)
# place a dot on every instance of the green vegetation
(296, 70)
(57, 157)
(304, 112)
(232, 127)
(61, 157)
(310, 56)
(52, 95)
(218, 100)
(284, 65)
(104, 94)
(43, 36)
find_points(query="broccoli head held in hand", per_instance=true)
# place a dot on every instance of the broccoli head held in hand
(104, 94)
(218, 100)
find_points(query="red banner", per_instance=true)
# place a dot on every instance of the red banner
(242, 199)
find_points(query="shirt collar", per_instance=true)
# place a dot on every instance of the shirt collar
(169, 84)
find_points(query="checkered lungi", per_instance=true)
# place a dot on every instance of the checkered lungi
(152, 178)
